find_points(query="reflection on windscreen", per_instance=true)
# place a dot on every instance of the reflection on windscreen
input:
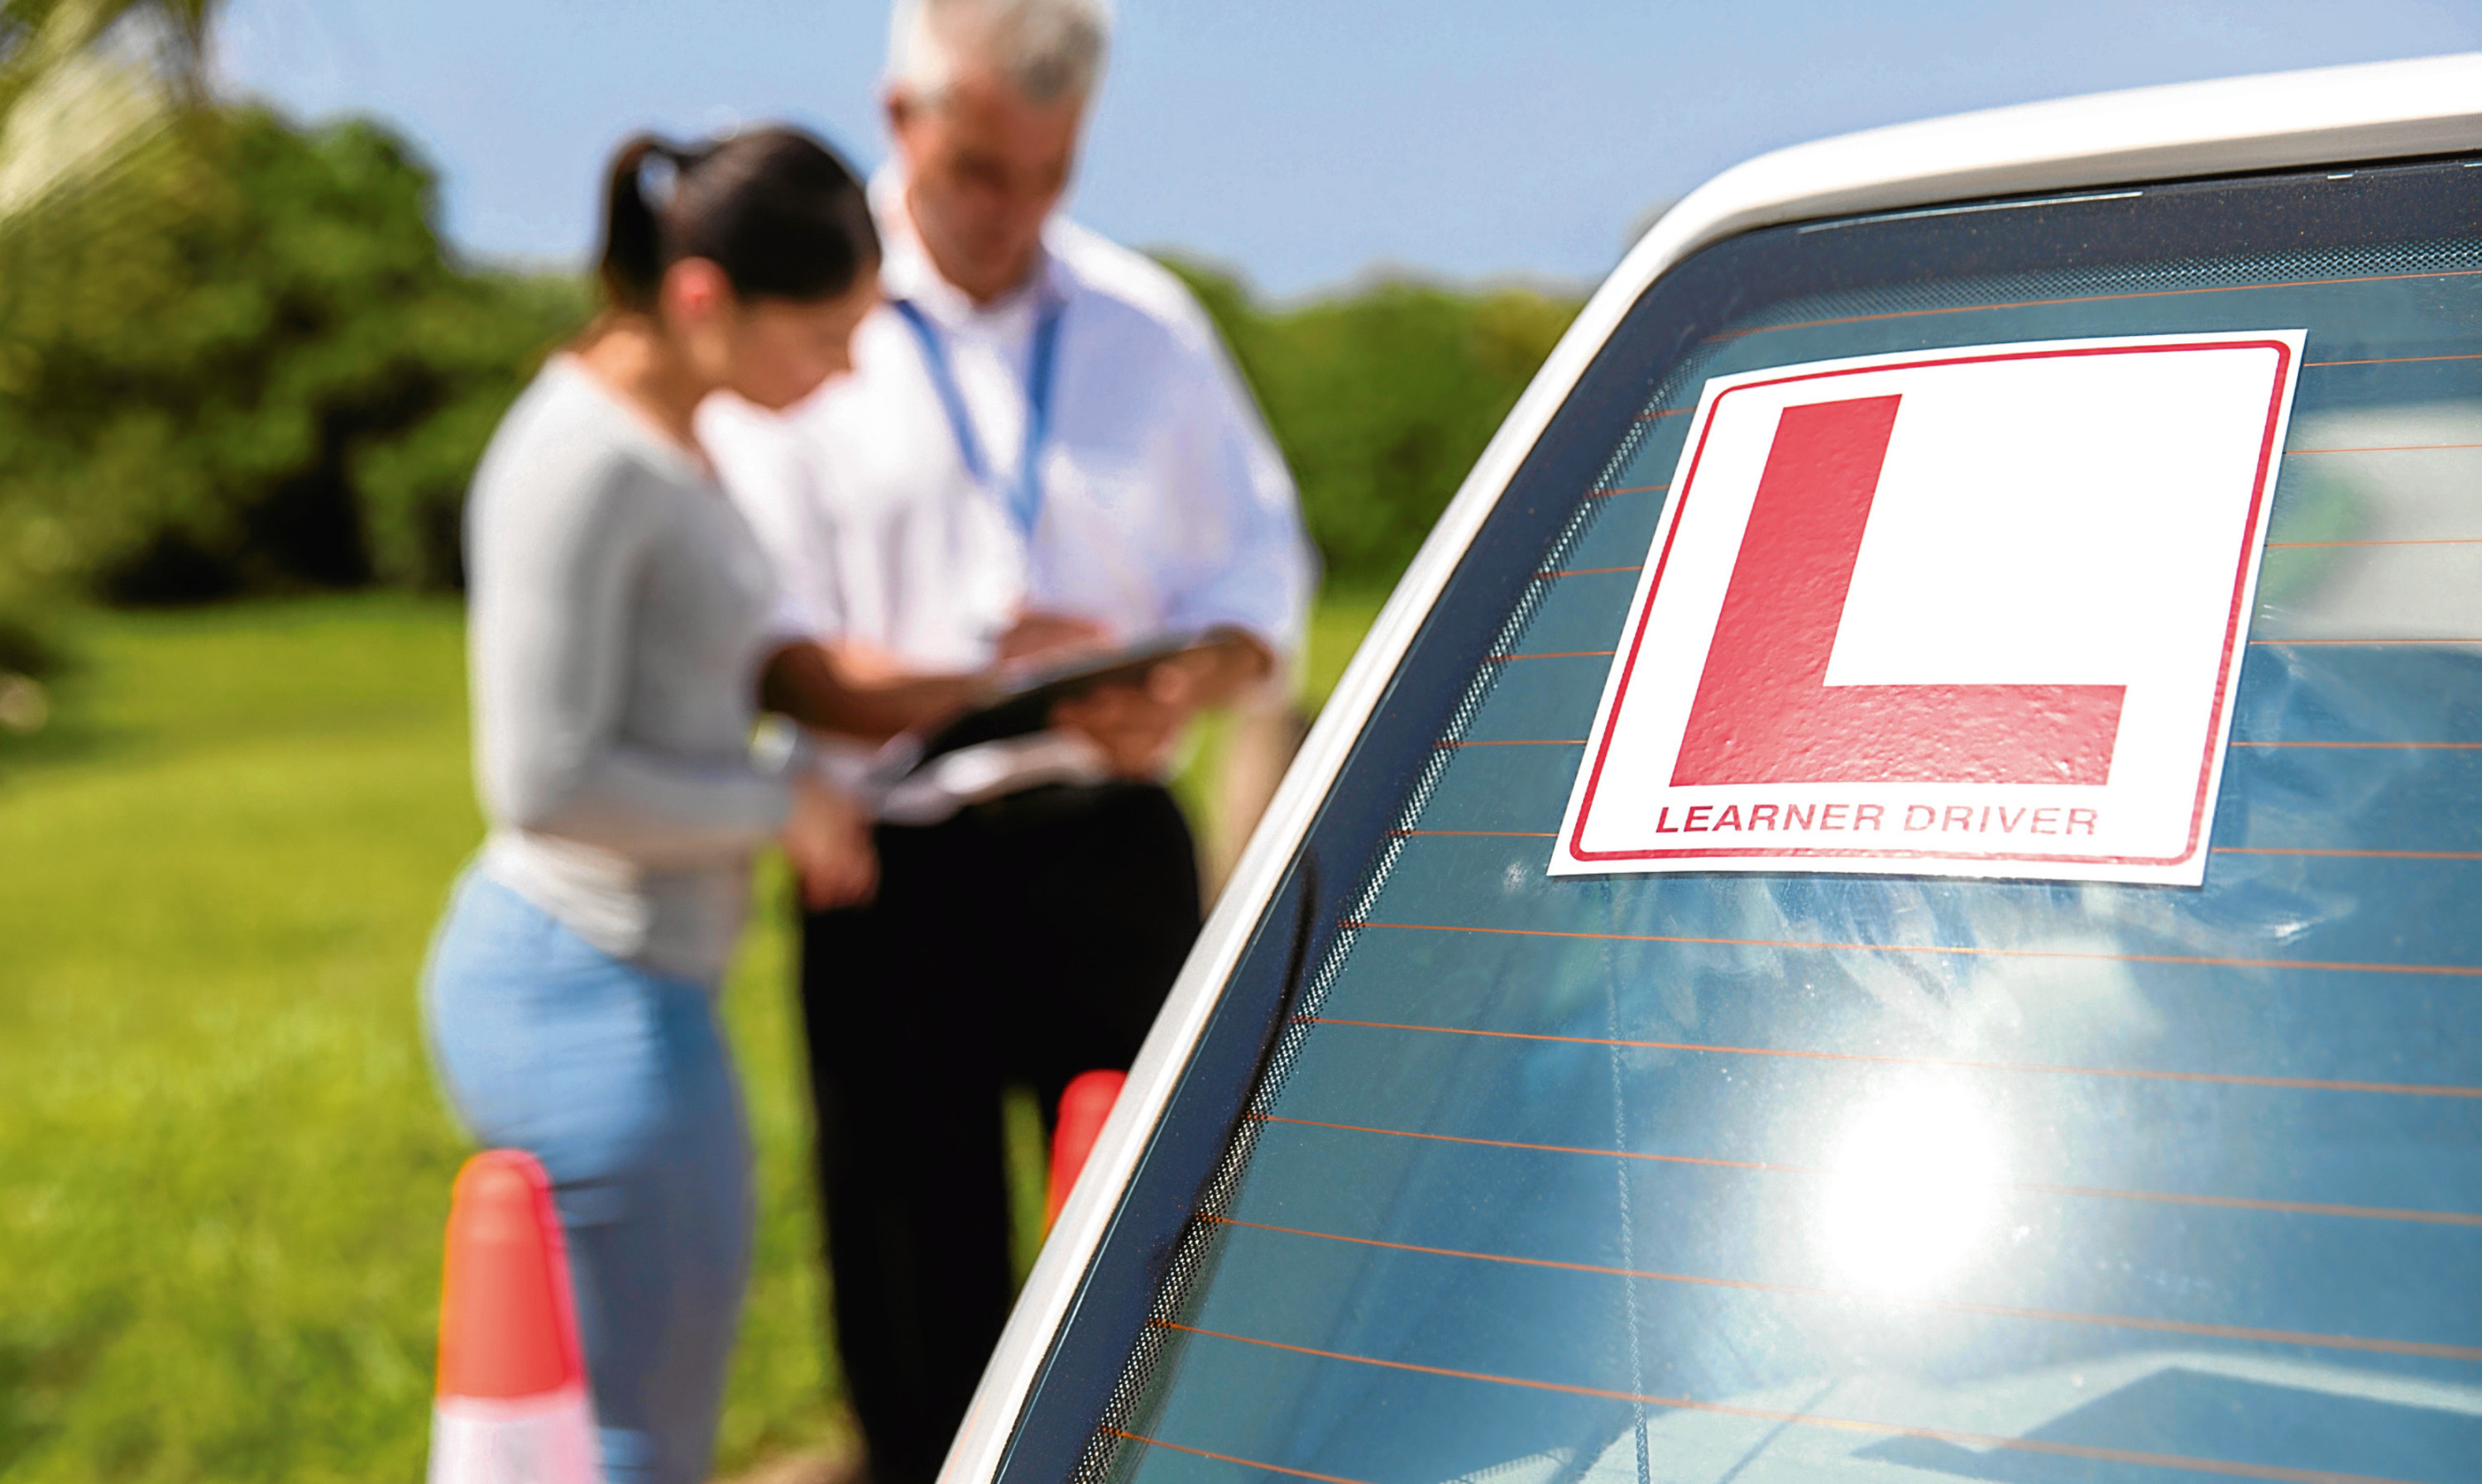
(1743, 1178)
(2058, 1422)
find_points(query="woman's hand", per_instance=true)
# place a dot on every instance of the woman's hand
(826, 840)
(819, 686)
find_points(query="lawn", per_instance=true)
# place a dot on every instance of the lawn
(223, 1167)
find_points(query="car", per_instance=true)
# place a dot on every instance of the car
(1897, 891)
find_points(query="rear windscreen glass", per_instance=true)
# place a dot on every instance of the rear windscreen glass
(1755, 1176)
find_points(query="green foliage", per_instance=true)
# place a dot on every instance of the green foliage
(245, 363)
(233, 356)
(41, 39)
(241, 361)
(31, 643)
(1382, 400)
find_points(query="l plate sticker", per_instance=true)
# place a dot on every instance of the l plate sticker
(1972, 611)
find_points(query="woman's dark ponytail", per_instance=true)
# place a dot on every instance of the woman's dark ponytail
(633, 248)
(775, 208)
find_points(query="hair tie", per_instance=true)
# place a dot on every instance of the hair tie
(659, 176)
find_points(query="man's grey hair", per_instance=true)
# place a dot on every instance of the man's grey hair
(1048, 50)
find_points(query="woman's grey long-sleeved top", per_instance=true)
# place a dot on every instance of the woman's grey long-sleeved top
(618, 614)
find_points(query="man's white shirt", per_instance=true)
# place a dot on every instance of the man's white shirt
(1164, 504)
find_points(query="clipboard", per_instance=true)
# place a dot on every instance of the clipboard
(1025, 707)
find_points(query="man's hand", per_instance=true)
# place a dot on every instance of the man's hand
(826, 840)
(1137, 723)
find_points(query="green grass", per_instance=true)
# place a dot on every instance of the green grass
(224, 1169)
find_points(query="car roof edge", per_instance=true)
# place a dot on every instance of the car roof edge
(2274, 120)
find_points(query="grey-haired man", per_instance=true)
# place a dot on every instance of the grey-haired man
(1044, 447)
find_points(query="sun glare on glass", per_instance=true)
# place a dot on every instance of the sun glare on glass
(1914, 1188)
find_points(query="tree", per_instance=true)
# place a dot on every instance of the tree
(1383, 399)
(258, 371)
(84, 85)
(83, 81)
(234, 354)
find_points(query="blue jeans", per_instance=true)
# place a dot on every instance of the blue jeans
(618, 1080)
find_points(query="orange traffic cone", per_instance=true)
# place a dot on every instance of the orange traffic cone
(1084, 1103)
(512, 1407)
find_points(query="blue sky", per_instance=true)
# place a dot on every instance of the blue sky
(1303, 142)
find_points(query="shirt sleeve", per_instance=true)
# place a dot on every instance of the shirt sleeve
(762, 464)
(1264, 583)
(559, 561)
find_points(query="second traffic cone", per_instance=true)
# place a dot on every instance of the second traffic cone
(512, 1406)
(1084, 1103)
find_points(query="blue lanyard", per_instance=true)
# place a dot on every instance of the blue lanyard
(1025, 503)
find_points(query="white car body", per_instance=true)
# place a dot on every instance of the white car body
(1990, 161)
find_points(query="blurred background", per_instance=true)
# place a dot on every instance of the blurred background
(271, 270)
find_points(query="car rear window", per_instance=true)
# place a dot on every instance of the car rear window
(1742, 1176)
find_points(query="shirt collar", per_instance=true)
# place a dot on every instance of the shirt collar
(906, 270)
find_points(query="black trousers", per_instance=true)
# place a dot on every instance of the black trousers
(1026, 941)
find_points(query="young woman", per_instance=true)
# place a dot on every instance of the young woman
(621, 647)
